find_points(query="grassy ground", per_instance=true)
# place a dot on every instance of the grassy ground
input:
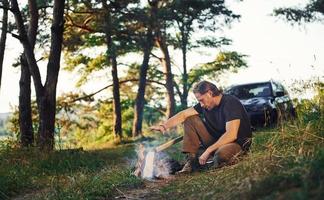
(66, 174)
(281, 165)
(286, 162)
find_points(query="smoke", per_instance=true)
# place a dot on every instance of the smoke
(151, 164)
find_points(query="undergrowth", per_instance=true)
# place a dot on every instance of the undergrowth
(58, 172)
(284, 163)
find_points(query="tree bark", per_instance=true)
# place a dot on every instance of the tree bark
(3, 37)
(111, 55)
(28, 49)
(140, 97)
(45, 95)
(166, 63)
(47, 107)
(25, 111)
(140, 100)
(184, 96)
(160, 40)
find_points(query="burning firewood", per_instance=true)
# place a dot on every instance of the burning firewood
(140, 161)
(154, 163)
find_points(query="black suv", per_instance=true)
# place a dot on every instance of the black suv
(265, 102)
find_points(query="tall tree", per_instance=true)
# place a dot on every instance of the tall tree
(111, 56)
(161, 42)
(167, 71)
(100, 23)
(3, 36)
(45, 94)
(190, 15)
(147, 45)
(25, 110)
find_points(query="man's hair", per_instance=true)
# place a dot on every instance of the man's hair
(204, 86)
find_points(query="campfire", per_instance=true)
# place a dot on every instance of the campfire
(154, 163)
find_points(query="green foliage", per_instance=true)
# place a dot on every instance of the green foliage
(12, 125)
(195, 15)
(94, 40)
(225, 61)
(213, 42)
(316, 173)
(127, 116)
(313, 11)
(86, 65)
(311, 111)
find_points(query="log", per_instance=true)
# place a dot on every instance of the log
(168, 144)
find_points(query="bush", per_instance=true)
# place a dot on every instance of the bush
(311, 111)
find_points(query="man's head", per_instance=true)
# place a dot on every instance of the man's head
(207, 94)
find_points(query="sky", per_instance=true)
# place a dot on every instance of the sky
(276, 50)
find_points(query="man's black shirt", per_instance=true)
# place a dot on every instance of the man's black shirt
(229, 108)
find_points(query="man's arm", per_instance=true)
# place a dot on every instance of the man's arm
(229, 136)
(175, 120)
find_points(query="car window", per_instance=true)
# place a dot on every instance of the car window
(251, 91)
(277, 87)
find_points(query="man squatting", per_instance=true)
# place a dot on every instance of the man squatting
(218, 127)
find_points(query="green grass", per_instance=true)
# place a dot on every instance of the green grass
(284, 163)
(101, 185)
(26, 171)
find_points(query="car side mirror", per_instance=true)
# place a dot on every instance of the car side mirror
(280, 94)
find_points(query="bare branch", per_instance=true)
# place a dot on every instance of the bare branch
(16, 36)
(108, 86)
(157, 57)
(83, 26)
(177, 88)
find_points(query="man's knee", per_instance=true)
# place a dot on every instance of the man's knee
(194, 119)
(227, 153)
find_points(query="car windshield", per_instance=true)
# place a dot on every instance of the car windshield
(251, 91)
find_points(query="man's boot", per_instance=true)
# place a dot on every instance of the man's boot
(190, 165)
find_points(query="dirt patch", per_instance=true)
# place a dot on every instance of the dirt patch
(149, 190)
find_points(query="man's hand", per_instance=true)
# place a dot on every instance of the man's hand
(160, 128)
(204, 157)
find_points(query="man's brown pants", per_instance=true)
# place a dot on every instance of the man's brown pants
(196, 135)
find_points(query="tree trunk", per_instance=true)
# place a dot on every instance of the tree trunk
(28, 49)
(166, 63)
(184, 96)
(140, 100)
(25, 111)
(111, 55)
(45, 95)
(46, 109)
(3, 37)
(47, 103)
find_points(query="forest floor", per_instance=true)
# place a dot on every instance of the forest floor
(284, 163)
